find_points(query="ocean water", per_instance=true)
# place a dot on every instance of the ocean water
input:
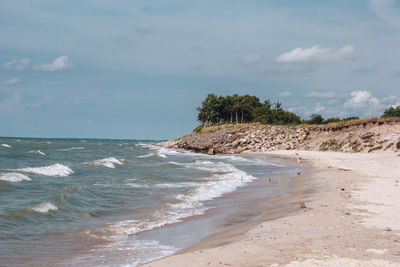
(118, 202)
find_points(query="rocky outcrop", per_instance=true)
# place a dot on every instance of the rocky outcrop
(366, 135)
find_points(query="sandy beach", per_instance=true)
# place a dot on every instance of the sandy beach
(351, 219)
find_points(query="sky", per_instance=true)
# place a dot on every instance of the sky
(138, 69)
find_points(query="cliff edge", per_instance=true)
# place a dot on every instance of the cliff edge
(362, 135)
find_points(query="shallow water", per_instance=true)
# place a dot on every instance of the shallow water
(118, 202)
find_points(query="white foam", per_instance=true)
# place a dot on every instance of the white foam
(72, 148)
(36, 152)
(163, 152)
(14, 177)
(176, 185)
(190, 203)
(206, 165)
(123, 251)
(247, 161)
(5, 145)
(45, 207)
(218, 185)
(51, 170)
(146, 156)
(136, 185)
(106, 162)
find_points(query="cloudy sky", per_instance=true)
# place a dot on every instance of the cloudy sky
(139, 69)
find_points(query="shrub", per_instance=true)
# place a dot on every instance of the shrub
(198, 129)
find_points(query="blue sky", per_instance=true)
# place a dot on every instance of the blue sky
(139, 69)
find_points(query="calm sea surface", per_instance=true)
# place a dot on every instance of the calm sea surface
(115, 202)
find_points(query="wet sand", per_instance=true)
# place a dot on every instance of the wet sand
(351, 218)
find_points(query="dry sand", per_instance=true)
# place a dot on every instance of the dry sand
(352, 218)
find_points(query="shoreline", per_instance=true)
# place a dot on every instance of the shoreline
(350, 218)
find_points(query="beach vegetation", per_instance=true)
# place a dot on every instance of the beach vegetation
(198, 129)
(331, 144)
(236, 108)
(318, 119)
(392, 112)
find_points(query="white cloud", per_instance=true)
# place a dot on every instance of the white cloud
(251, 59)
(285, 94)
(360, 99)
(391, 101)
(318, 108)
(59, 63)
(17, 64)
(321, 95)
(386, 10)
(318, 54)
(13, 81)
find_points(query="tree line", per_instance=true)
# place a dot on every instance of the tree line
(245, 108)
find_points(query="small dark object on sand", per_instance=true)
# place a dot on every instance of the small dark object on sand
(302, 205)
(342, 189)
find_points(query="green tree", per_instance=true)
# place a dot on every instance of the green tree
(242, 108)
(392, 112)
(316, 119)
(210, 110)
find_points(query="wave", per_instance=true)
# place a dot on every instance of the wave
(162, 152)
(176, 185)
(163, 185)
(14, 177)
(206, 165)
(36, 152)
(72, 148)
(106, 162)
(5, 145)
(136, 185)
(51, 170)
(45, 207)
(187, 204)
(146, 156)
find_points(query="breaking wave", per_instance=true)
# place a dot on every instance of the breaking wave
(14, 177)
(146, 156)
(106, 162)
(51, 170)
(5, 145)
(72, 148)
(190, 203)
(36, 152)
(45, 207)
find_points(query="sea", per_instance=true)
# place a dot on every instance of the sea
(91, 202)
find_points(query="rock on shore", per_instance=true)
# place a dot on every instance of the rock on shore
(363, 135)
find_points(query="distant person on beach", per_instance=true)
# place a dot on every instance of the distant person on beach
(299, 162)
